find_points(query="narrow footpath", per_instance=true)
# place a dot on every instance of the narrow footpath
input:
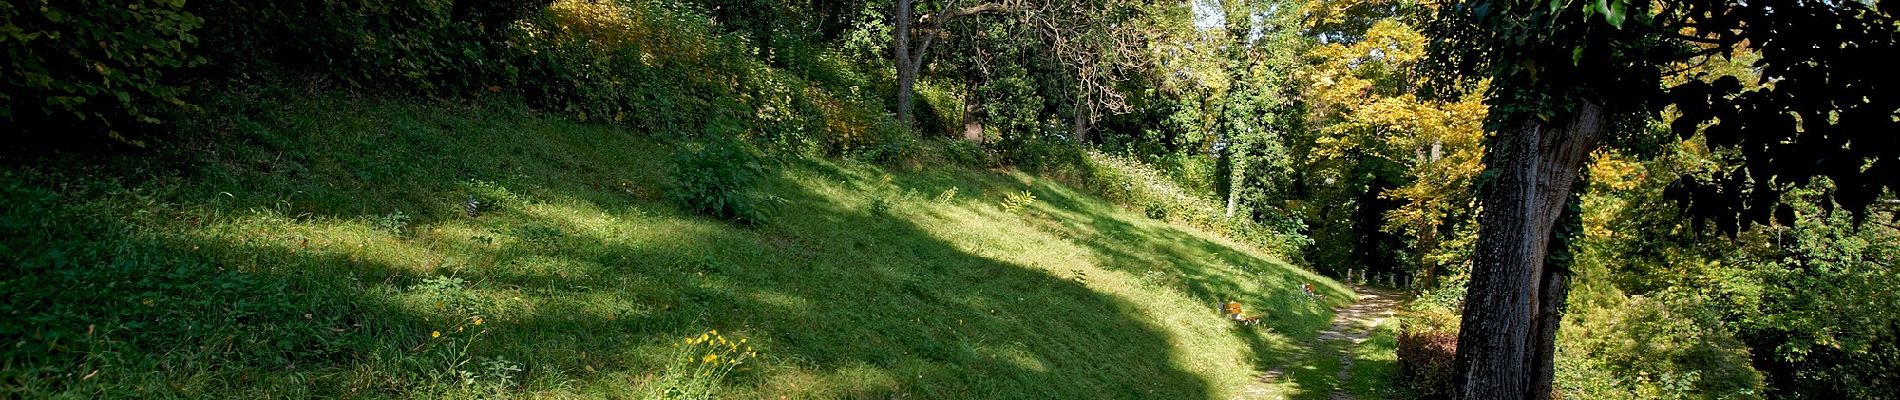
(1351, 327)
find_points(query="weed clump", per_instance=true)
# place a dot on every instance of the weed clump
(715, 178)
(697, 366)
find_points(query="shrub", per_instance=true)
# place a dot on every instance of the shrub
(494, 16)
(1427, 352)
(1666, 346)
(715, 176)
(396, 45)
(98, 63)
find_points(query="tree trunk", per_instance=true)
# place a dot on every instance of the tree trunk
(1080, 119)
(1555, 288)
(1427, 226)
(909, 61)
(906, 78)
(1512, 304)
(972, 122)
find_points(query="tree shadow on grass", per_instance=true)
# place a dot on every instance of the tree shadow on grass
(1208, 271)
(839, 301)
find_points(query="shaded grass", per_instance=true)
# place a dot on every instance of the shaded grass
(321, 246)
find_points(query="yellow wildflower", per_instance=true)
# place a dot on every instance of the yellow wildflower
(709, 358)
(435, 334)
(478, 321)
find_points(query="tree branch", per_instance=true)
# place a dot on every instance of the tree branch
(937, 20)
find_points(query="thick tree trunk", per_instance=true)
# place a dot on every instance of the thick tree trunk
(1555, 288)
(1562, 153)
(1512, 303)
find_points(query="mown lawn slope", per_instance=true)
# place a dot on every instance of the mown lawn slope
(323, 245)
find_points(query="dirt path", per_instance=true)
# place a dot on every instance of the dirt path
(1351, 326)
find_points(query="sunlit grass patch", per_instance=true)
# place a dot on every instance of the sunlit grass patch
(1375, 364)
(359, 267)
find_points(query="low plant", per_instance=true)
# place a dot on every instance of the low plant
(697, 366)
(947, 195)
(715, 177)
(1018, 201)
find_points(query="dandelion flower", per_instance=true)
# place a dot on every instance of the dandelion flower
(435, 334)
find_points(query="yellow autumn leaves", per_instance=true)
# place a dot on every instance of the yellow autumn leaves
(1360, 97)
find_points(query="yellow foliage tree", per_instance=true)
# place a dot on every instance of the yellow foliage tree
(1361, 104)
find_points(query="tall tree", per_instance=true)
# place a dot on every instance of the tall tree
(922, 32)
(1566, 75)
(1358, 88)
(1097, 41)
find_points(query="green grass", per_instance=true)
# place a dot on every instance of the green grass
(1316, 375)
(1375, 365)
(314, 246)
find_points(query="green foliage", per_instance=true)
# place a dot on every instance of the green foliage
(1805, 125)
(378, 44)
(1014, 202)
(1660, 309)
(1141, 186)
(101, 66)
(1670, 346)
(716, 177)
(670, 67)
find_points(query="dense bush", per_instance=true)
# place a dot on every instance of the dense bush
(715, 177)
(1427, 352)
(92, 63)
(1647, 348)
(380, 44)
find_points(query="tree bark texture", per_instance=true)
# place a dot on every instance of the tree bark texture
(1512, 303)
(905, 77)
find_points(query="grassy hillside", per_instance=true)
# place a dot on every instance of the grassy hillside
(322, 245)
